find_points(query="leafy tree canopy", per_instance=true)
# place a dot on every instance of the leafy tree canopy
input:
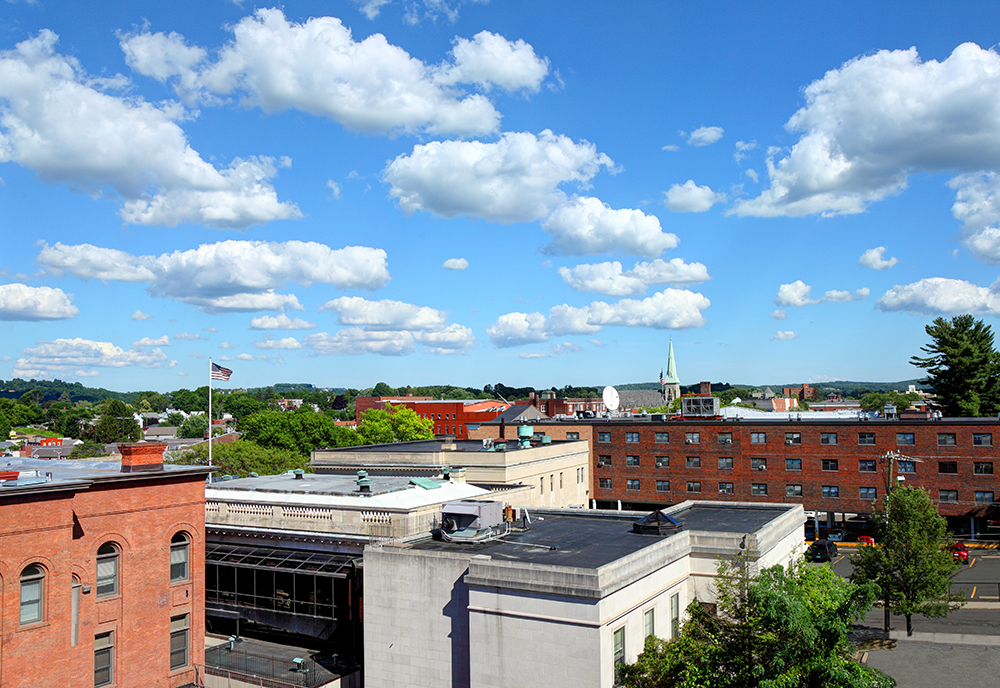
(784, 628)
(196, 425)
(962, 366)
(876, 401)
(910, 563)
(243, 457)
(116, 424)
(299, 432)
(394, 424)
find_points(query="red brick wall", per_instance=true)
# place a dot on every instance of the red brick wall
(140, 517)
(848, 478)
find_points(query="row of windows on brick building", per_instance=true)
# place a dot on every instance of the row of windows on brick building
(903, 439)
(864, 465)
(32, 604)
(762, 490)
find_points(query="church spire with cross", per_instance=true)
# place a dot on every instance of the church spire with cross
(670, 382)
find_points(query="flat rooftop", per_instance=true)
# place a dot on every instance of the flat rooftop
(591, 540)
(35, 473)
(431, 446)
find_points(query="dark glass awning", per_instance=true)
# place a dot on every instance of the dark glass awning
(269, 559)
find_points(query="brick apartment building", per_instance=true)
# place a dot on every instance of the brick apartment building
(101, 572)
(826, 465)
(450, 416)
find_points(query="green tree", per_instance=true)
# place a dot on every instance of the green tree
(382, 390)
(783, 628)
(174, 420)
(394, 424)
(241, 405)
(116, 424)
(243, 457)
(299, 432)
(876, 401)
(962, 366)
(910, 563)
(194, 426)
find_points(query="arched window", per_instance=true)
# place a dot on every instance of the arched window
(107, 570)
(180, 557)
(32, 594)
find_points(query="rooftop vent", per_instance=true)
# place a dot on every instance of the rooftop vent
(656, 523)
(364, 482)
(298, 474)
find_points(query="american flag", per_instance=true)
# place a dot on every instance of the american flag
(661, 376)
(220, 373)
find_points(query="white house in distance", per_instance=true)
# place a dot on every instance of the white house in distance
(558, 604)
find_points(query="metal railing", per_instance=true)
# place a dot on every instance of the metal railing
(259, 670)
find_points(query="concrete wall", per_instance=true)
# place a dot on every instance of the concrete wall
(416, 619)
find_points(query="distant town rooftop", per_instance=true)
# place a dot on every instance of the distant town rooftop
(434, 446)
(34, 474)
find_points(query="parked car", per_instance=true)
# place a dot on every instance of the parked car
(822, 550)
(960, 552)
(866, 540)
(836, 536)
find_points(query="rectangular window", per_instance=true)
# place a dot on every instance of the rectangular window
(947, 467)
(866, 438)
(631, 460)
(866, 465)
(869, 493)
(632, 484)
(946, 439)
(758, 464)
(984, 497)
(905, 438)
(663, 486)
(647, 623)
(662, 461)
(107, 572)
(675, 614)
(793, 438)
(692, 438)
(758, 437)
(604, 483)
(180, 554)
(560, 480)
(725, 488)
(692, 462)
(179, 629)
(982, 439)
(603, 460)
(828, 438)
(831, 491)
(662, 437)
(572, 435)
(906, 466)
(949, 496)
(541, 485)
(604, 437)
(793, 490)
(831, 465)
(725, 438)
(693, 486)
(631, 437)
(982, 468)
(32, 595)
(619, 656)
(726, 463)
(793, 464)
(104, 659)
(758, 489)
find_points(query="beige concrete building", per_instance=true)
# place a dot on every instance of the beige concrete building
(558, 471)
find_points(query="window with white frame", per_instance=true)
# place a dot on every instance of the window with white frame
(107, 570)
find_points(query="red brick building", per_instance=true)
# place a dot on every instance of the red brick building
(449, 415)
(102, 572)
(552, 406)
(835, 466)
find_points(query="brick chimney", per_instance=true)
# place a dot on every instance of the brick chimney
(142, 456)
(706, 389)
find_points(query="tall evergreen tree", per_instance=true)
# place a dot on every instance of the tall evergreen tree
(962, 366)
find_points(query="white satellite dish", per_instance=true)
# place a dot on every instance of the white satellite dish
(611, 399)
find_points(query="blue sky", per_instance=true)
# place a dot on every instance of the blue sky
(482, 191)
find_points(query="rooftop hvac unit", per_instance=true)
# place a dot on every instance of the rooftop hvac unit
(689, 441)
(788, 442)
(700, 406)
(729, 441)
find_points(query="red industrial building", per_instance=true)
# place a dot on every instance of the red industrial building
(827, 465)
(553, 406)
(449, 415)
(102, 572)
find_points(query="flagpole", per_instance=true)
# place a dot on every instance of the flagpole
(210, 411)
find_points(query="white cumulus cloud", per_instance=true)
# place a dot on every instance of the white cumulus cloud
(149, 341)
(318, 67)
(609, 278)
(455, 264)
(133, 150)
(64, 355)
(874, 258)
(668, 309)
(284, 343)
(785, 335)
(215, 278)
(779, 314)
(705, 136)
(514, 179)
(691, 198)
(797, 294)
(139, 315)
(385, 314)
(279, 322)
(583, 226)
(19, 302)
(941, 296)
